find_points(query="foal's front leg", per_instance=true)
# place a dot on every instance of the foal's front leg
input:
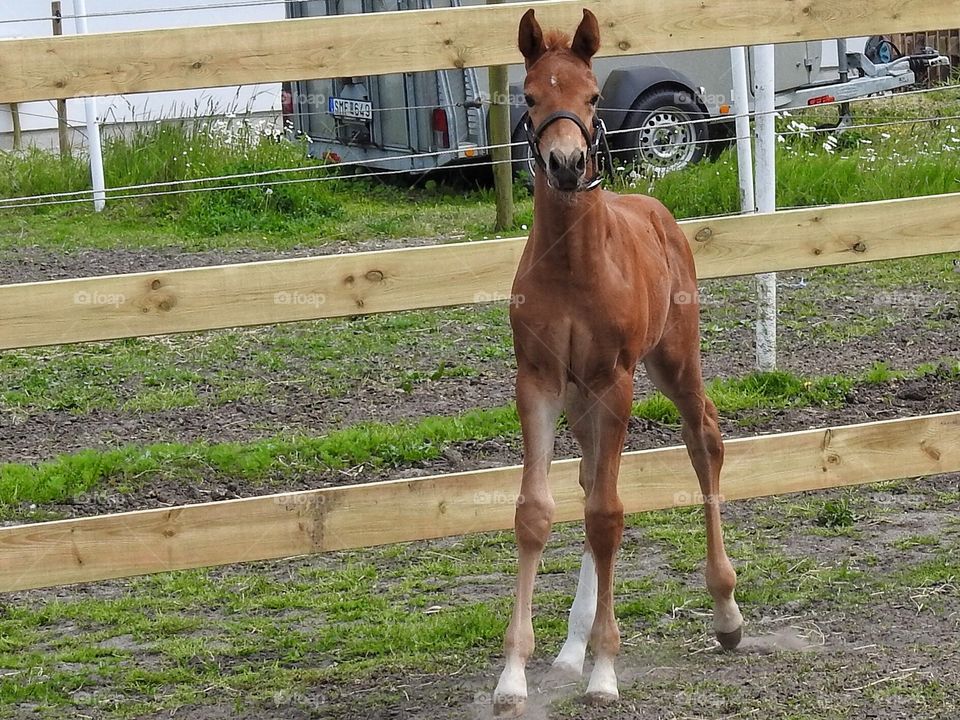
(539, 404)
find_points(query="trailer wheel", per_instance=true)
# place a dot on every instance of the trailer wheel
(664, 135)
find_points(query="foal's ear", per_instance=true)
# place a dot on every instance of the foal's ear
(587, 40)
(530, 38)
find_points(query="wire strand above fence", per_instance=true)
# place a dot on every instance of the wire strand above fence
(129, 192)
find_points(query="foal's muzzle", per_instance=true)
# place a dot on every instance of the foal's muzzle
(567, 170)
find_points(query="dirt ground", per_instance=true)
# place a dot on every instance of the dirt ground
(884, 645)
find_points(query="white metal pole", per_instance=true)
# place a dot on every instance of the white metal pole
(93, 126)
(741, 109)
(765, 185)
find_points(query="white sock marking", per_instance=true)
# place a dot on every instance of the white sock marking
(582, 612)
(603, 680)
(726, 616)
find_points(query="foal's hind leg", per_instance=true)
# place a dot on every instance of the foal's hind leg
(568, 664)
(675, 370)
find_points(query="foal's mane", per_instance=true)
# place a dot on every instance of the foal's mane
(556, 40)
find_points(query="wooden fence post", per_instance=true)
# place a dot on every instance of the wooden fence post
(62, 130)
(500, 132)
(17, 129)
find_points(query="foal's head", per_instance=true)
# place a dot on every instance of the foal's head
(560, 80)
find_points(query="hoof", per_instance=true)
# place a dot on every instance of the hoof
(602, 697)
(730, 640)
(509, 707)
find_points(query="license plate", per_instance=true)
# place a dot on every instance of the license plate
(355, 109)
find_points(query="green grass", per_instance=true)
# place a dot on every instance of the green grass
(916, 541)
(328, 358)
(373, 443)
(836, 514)
(336, 208)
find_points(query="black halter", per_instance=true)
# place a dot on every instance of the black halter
(595, 143)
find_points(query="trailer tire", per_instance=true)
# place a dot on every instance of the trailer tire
(663, 135)
(520, 153)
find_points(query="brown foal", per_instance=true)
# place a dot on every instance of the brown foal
(606, 280)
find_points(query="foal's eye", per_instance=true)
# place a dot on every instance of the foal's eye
(529, 100)
(594, 100)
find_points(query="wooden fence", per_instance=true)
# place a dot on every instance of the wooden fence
(946, 42)
(247, 53)
(31, 314)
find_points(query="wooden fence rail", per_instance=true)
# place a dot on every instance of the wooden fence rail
(376, 43)
(118, 306)
(357, 516)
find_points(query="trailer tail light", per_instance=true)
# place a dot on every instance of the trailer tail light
(822, 100)
(441, 129)
(286, 106)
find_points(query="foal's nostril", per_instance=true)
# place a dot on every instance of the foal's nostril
(554, 162)
(581, 162)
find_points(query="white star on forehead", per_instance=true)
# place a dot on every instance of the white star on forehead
(553, 80)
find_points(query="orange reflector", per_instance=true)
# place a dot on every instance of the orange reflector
(724, 109)
(821, 100)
